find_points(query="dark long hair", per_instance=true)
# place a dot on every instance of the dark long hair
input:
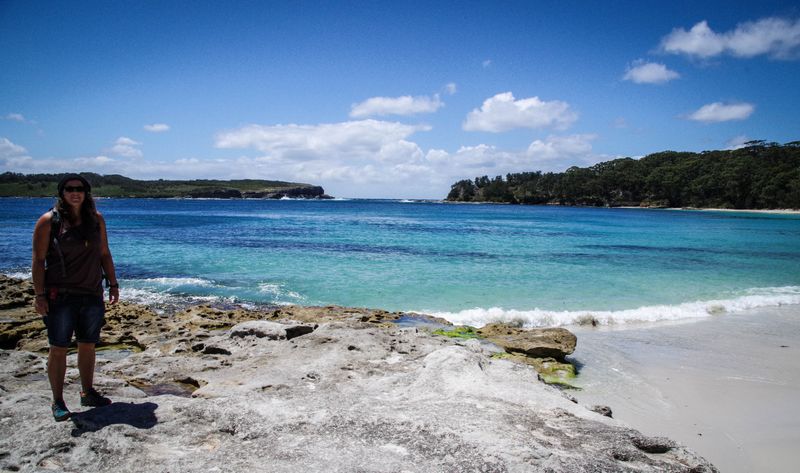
(88, 212)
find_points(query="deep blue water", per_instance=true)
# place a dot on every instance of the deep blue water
(470, 263)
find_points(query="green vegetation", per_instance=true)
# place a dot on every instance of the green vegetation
(551, 371)
(44, 185)
(759, 176)
(464, 331)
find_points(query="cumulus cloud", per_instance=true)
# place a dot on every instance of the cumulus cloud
(555, 153)
(126, 147)
(9, 149)
(372, 154)
(450, 88)
(720, 112)
(318, 141)
(405, 105)
(775, 37)
(562, 148)
(380, 158)
(649, 73)
(503, 113)
(92, 161)
(157, 127)
(367, 158)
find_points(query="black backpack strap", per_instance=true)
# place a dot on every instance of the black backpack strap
(55, 233)
(55, 223)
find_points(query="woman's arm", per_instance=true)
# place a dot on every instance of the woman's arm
(41, 243)
(107, 262)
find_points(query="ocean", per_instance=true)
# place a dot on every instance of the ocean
(469, 263)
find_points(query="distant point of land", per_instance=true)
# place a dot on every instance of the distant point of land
(114, 185)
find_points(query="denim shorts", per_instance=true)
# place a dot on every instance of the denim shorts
(81, 314)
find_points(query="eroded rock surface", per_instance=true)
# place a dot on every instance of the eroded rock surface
(538, 342)
(347, 391)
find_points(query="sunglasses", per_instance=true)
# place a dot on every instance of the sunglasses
(74, 189)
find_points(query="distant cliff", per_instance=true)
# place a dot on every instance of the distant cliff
(758, 176)
(114, 185)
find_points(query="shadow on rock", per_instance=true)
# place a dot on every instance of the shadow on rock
(141, 416)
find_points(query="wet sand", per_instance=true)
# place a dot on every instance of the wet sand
(727, 386)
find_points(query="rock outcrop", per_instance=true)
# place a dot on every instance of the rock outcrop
(307, 389)
(541, 343)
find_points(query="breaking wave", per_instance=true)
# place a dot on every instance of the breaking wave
(751, 299)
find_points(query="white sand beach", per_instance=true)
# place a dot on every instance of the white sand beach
(728, 387)
(760, 211)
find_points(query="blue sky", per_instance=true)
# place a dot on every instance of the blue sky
(386, 99)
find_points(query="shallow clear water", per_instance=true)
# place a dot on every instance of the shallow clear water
(469, 263)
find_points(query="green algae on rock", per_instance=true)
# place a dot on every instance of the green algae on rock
(461, 331)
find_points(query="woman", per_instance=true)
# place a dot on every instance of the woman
(70, 257)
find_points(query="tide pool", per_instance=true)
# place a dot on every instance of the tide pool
(540, 265)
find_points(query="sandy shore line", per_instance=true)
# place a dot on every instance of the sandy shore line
(727, 386)
(702, 209)
(759, 211)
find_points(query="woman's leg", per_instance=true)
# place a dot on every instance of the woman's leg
(86, 359)
(56, 369)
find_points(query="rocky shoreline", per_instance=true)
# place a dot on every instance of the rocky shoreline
(310, 389)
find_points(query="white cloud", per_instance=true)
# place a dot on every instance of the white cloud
(737, 142)
(450, 88)
(124, 140)
(157, 127)
(18, 117)
(405, 105)
(503, 113)
(556, 153)
(368, 158)
(379, 159)
(376, 156)
(126, 147)
(9, 149)
(486, 63)
(776, 37)
(562, 148)
(649, 73)
(14, 158)
(303, 142)
(720, 112)
(93, 161)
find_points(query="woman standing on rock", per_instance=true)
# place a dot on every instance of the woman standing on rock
(70, 258)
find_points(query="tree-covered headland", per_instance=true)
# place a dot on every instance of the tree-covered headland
(760, 175)
(114, 185)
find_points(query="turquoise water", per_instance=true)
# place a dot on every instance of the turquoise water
(469, 263)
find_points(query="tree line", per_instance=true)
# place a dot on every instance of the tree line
(760, 175)
(115, 185)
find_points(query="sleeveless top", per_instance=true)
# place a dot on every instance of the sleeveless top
(81, 272)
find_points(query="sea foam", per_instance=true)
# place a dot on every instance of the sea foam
(752, 299)
(171, 283)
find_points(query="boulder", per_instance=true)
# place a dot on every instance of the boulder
(538, 342)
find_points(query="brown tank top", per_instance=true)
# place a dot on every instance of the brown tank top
(81, 271)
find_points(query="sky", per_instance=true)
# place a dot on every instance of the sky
(386, 99)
